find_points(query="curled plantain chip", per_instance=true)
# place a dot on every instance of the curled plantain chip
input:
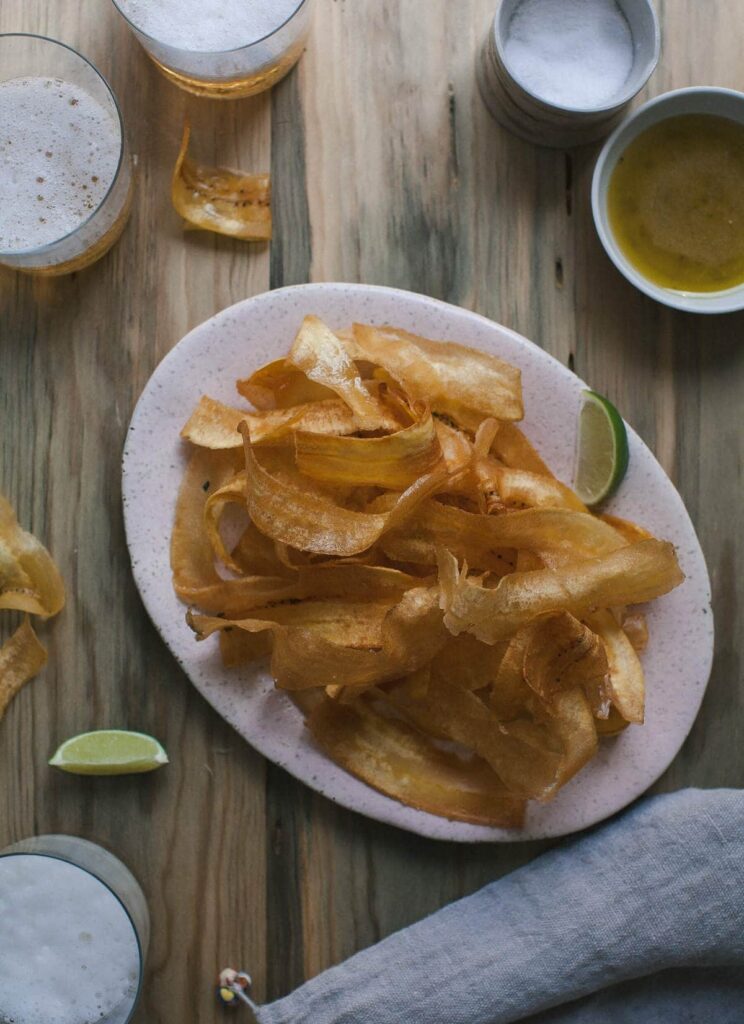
(236, 598)
(457, 448)
(324, 358)
(191, 552)
(233, 492)
(29, 579)
(464, 383)
(219, 199)
(22, 657)
(573, 725)
(630, 575)
(632, 532)
(279, 385)
(331, 417)
(287, 511)
(526, 760)
(394, 461)
(511, 697)
(340, 643)
(627, 688)
(399, 761)
(561, 654)
(29, 582)
(214, 425)
(556, 534)
(521, 487)
(511, 447)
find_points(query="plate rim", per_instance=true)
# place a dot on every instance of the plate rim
(417, 822)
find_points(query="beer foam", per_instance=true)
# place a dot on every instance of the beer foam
(208, 26)
(59, 151)
(68, 951)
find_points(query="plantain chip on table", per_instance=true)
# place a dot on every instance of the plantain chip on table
(458, 630)
(220, 199)
(30, 583)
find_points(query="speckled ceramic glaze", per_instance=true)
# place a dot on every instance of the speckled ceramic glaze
(242, 338)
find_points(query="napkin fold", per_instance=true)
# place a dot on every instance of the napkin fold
(642, 919)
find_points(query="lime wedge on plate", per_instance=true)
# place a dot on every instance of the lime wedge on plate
(602, 455)
(109, 752)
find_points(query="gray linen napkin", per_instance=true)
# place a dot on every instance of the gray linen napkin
(642, 920)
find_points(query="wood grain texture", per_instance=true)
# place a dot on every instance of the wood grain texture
(386, 169)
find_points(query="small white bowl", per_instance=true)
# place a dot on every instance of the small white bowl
(697, 100)
(544, 123)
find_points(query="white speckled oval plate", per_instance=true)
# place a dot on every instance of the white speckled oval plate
(253, 332)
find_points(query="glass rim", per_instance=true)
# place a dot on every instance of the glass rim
(210, 53)
(65, 860)
(39, 249)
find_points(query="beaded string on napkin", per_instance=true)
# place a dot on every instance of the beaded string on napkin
(232, 988)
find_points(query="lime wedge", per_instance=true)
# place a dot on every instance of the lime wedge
(109, 752)
(602, 455)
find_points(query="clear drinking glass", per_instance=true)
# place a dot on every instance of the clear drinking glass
(75, 917)
(65, 171)
(193, 41)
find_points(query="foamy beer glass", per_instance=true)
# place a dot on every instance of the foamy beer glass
(74, 931)
(65, 172)
(224, 49)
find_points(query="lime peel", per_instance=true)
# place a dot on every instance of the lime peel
(109, 752)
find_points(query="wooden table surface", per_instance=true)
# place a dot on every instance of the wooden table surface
(386, 169)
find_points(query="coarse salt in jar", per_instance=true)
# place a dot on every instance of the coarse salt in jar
(561, 72)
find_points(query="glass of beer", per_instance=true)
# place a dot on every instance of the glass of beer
(74, 931)
(65, 171)
(223, 49)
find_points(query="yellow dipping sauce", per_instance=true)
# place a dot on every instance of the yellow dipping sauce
(676, 203)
